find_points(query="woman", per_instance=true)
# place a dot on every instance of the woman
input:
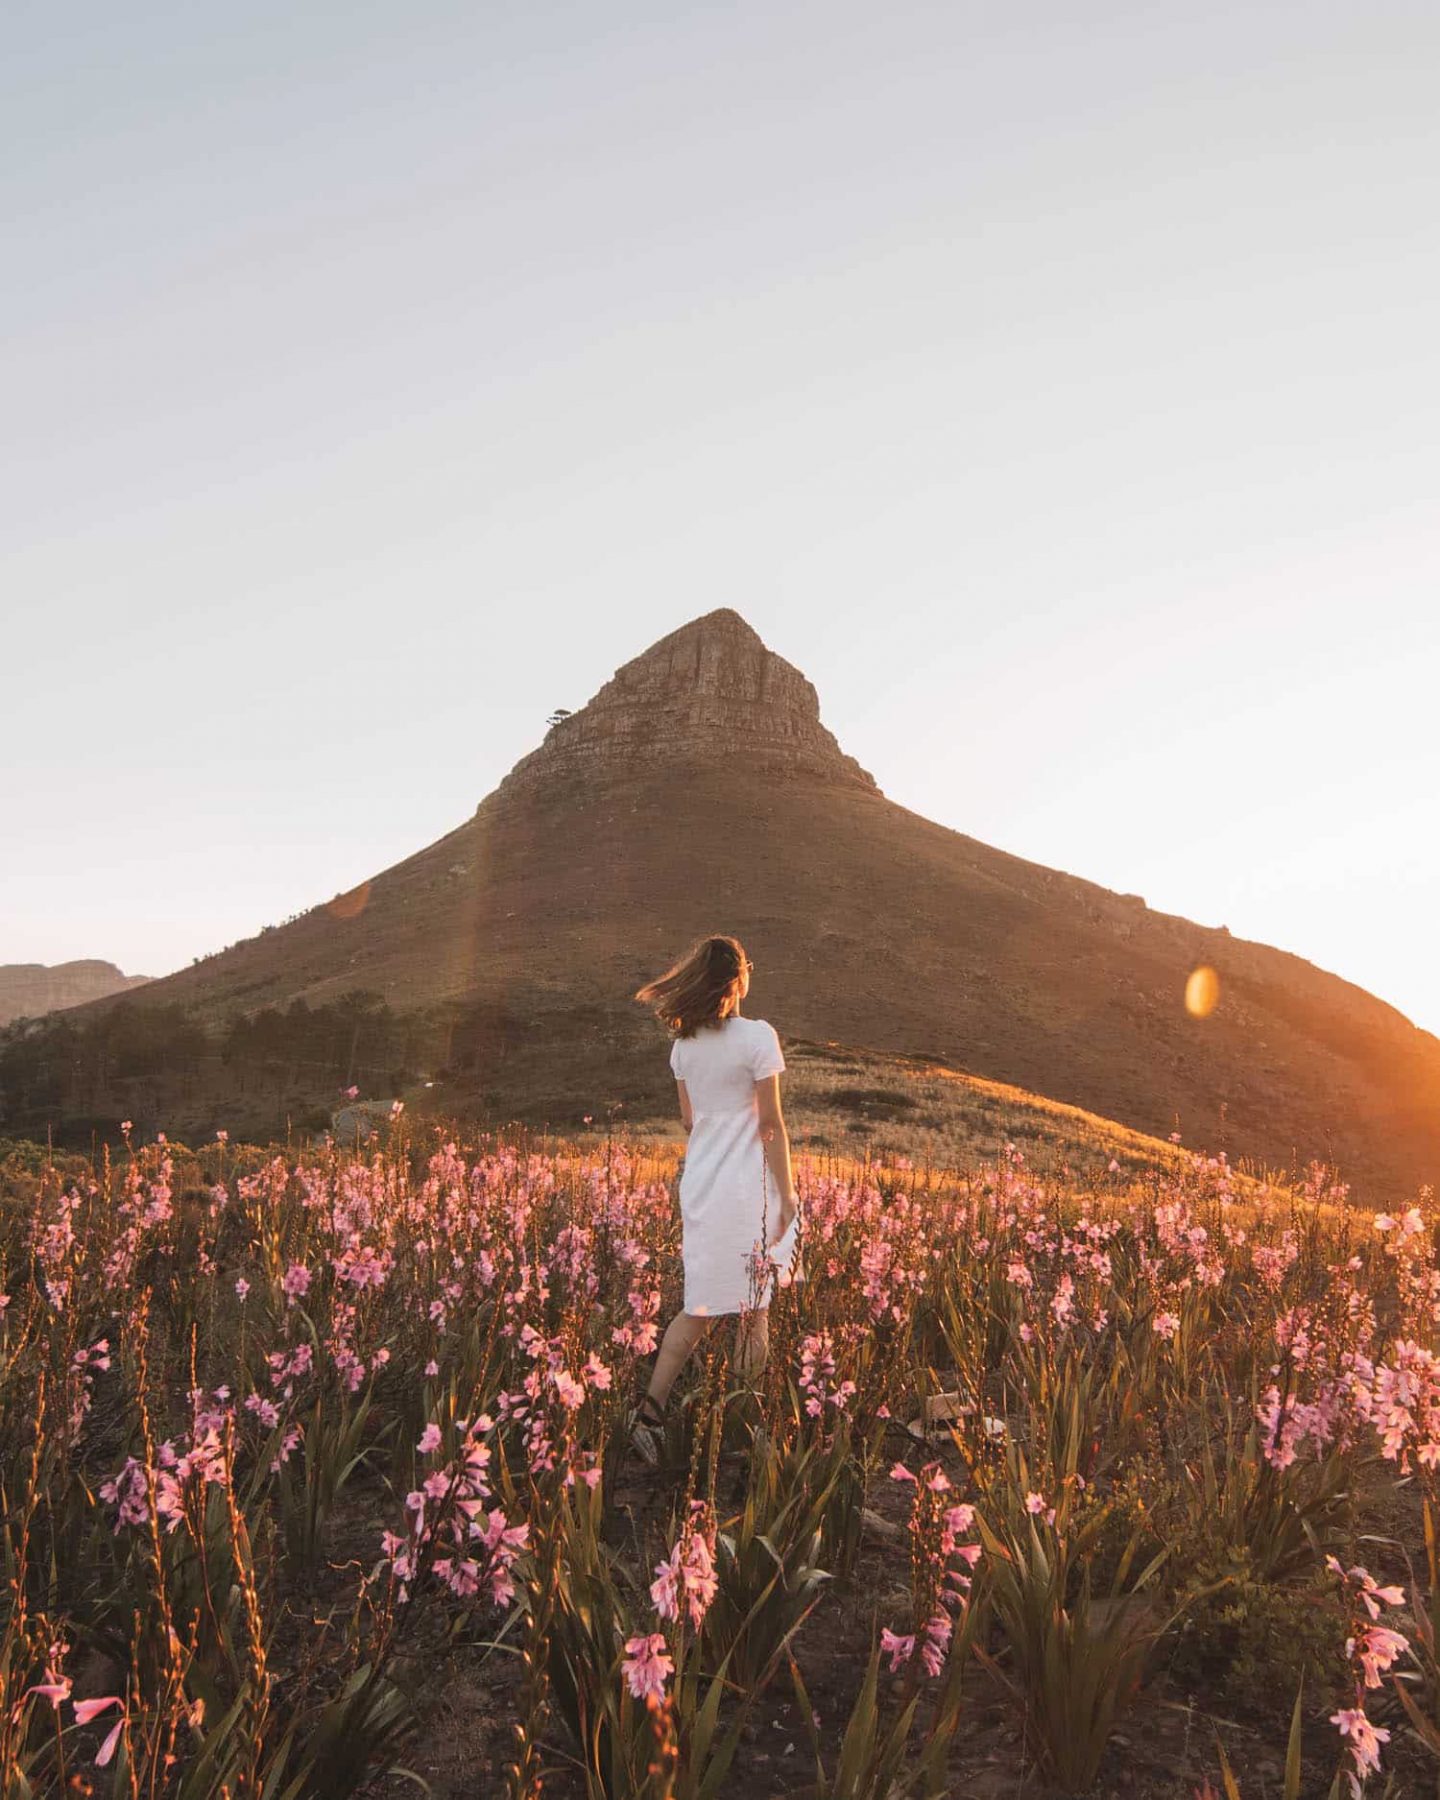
(737, 1190)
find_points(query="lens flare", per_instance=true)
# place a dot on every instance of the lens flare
(1202, 992)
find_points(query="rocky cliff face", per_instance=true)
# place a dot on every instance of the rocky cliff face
(710, 692)
(29, 990)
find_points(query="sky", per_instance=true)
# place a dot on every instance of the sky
(1057, 385)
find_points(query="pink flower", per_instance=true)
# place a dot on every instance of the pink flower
(1377, 1650)
(242, 1287)
(107, 1749)
(665, 1588)
(53, 1691)
(297, 1281)
(898, 1649)
(571, 1392)
(1165, 1324)
(934, 1642)
(901, 1473)
(647, 1666)
(1365, 1740)
(429, 1440)
(86, 1710)
(1037, 1508)
(687, 1574)
(222, 1137)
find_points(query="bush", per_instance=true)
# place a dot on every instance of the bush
(1253, 1641)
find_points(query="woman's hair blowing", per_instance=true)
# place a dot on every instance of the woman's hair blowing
(692, 992)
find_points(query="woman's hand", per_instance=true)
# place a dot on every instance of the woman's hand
(787, 1219)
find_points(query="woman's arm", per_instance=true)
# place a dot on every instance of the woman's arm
(776, 1140)
(686, 1114)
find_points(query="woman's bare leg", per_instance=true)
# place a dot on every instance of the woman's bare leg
(682, 1334)
(752, 1342)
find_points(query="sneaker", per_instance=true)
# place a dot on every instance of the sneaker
(643, 1442)
(647, 1425)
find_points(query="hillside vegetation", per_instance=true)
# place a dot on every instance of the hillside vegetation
(73, 1080)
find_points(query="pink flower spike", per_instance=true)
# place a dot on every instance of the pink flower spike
(646, 1666)
(1365, 1738)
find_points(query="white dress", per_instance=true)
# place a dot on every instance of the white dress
(726, 1188)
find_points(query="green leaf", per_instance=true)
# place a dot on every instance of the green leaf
(859, 1735)
(1291, 1790)
(1426, 1728)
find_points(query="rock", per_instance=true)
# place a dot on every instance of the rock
(360, 1121)
(884, 1529)
(709, 691)
(938, 1409)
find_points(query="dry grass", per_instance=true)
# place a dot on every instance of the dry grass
(853, 1104)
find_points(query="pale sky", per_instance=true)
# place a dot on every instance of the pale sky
(1058, 385)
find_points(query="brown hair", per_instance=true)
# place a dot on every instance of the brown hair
(692, 992)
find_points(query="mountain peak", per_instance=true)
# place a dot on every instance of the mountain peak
(30, 990)
(709, 692)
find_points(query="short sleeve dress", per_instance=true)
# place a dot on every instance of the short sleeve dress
(728, 1202)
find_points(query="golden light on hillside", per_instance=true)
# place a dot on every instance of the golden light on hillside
(351, 905)
(1202, 992)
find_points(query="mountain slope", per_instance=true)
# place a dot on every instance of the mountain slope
(699, 791)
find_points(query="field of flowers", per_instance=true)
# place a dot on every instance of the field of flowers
(316, 1483)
